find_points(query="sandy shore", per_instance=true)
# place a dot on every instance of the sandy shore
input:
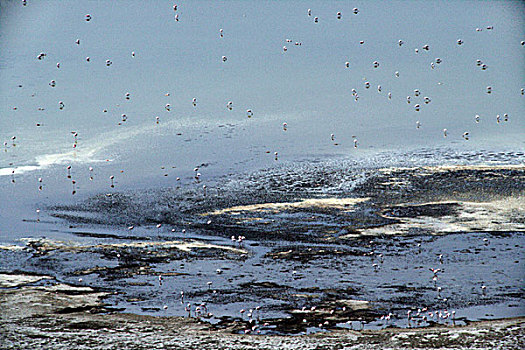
(60, 316)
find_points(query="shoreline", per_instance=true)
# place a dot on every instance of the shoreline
(64, 316)
(356, 241)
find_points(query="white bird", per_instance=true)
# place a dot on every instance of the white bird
(224, 58)
(376, 64)
(460, 42)
(416, 92)
(400, 42)
(444, 132)
(355, 10)
(316, 19)
(249, 113)
(347, 64)
(338, 15)
(367, 84)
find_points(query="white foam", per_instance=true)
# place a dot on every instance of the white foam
(87, 154)
(89, 150)
(47, 160)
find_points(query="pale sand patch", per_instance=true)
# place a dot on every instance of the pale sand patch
(445, 168)
(344, 204)
(28, 301)
(10, 281)
(47, 244)
(499, 215)
(11, 247)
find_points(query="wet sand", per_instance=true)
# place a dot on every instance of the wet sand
(61, 316)
(425, 240)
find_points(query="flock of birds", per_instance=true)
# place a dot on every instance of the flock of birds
(417, 100)
(254, 321)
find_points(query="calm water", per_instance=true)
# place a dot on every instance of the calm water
(308, 87)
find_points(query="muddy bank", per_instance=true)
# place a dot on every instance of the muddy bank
(58, 316)
(301, 250)
(321, 202)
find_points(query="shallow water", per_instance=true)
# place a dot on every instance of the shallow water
(318, 252)
(308, 88)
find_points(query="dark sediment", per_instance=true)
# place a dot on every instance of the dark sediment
(314, 248)
(60, 320)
